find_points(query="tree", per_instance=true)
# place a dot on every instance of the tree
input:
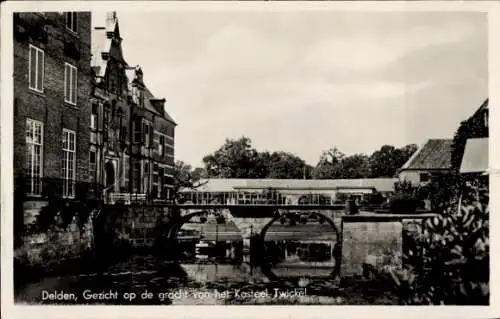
(185, 177)
(355, 166)
(329, 165)
(234, 159)
(386, 161)
(238, 159)
(286, 165)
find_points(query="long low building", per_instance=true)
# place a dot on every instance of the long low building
(327, 187)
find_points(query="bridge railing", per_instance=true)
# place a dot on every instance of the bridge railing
(126, 198)
(252, 198)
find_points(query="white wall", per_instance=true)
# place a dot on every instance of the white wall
(411, 176)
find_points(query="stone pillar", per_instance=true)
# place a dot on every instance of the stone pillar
(250, 228)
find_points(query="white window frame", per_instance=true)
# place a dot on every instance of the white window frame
(157, 183)
(69, 181)
(74, 19)
(147, 141)
(72, 82)
(94, 116)
(31, 143)
(38, 51)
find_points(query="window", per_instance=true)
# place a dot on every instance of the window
(145, 179)
(136, 177)
(166, 183)
(161, 145)
(485, 117)
(147, 130)
(36, 64)
(424, 177)
(155, 190)
(34, 153)
(93, 166)
(137, 131)
(93, 117)
(126, 173)
(71, 21)
(70, 80)
(69, 161)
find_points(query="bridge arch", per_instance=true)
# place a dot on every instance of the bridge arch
(337, 253)
(174, 229)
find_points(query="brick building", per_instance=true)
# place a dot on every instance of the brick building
(132, 136)
(52, 85)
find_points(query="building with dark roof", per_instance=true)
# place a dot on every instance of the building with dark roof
(132, 135)
(434, 156)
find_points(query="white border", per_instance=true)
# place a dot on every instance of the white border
(9, 310)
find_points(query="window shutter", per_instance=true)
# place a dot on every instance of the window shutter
(32, 65)
(66, 82)
(40, 64)
(75, 82)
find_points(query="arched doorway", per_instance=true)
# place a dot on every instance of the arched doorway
(109, 169)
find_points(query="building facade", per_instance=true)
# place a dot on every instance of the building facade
(433, 157)
(85, 123)
(52, 85)
(132, 136)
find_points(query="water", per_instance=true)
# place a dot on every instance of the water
(156, 282)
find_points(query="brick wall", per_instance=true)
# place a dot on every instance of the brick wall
(49, 107)
(57, 244)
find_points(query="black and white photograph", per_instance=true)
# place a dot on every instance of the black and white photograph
(249, 157)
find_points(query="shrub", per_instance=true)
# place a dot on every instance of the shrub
(453, 250)
(403, 204)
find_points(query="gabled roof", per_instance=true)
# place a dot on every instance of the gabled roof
(101, 43)
(435, 154)
(148, 96)
(475, 159)
(484, 106)
(231, 184)
(134, 77)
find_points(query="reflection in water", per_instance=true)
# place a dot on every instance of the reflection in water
(204, 273)
(189, 281)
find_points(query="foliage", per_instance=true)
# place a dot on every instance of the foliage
(453, 250)
(386, 161)
(474, 127)
(184, 176)
(403, 204)
(238, 159)
(330, 164)
(334, 164)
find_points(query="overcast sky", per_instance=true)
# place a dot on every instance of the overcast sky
(303, 82)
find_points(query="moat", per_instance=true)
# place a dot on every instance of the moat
(147, 280)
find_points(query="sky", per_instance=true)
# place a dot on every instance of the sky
(304, 82)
